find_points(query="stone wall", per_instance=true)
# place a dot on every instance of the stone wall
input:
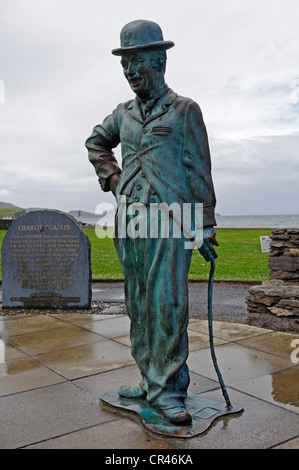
(5, 224)
(275, 303)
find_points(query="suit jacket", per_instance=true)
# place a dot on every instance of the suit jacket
(170, 148)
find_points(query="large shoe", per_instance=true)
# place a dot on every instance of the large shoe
(131, 392)
(178, 415)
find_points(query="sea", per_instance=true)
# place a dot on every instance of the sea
(257, 221)
(242, 221)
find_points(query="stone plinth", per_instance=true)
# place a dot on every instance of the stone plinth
(275, 303)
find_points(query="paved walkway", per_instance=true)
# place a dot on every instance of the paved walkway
(55, 367)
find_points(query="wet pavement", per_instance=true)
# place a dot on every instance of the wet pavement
(228, 298)
(54, 367)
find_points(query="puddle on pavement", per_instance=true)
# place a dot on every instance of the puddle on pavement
(2, 350)
(280, 388)
(17, 366)
(285, 387)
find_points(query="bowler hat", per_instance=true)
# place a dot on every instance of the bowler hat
(141, 34)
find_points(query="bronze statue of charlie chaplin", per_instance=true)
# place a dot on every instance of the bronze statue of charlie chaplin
(165, 159)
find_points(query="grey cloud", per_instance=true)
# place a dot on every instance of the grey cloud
(237, 59)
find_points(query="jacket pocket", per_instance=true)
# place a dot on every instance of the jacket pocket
(161, 130)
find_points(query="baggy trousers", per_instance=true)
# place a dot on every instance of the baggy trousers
(156, 293)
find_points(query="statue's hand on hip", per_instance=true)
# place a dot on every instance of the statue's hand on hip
(114, 182)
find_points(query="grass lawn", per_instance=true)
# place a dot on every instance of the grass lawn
(239, 257)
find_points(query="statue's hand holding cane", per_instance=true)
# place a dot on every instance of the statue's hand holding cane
(209, 239)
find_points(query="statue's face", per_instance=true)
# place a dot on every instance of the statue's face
(139, 72)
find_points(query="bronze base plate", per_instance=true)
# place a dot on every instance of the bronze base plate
(203, 413)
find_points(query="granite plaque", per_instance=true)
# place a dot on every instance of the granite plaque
(46, 263)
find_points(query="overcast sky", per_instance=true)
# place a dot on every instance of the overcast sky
(239, 59)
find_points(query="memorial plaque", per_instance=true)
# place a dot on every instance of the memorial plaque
(46, 263)
(265, 244)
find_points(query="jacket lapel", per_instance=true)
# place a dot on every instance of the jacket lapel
(135, 111)
(162, 106)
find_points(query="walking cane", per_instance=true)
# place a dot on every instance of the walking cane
(210, 322)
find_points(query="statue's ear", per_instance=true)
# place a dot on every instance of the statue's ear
(162, 64)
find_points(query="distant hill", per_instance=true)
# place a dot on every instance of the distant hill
(79, 213)
(8, 205)
(7, 209)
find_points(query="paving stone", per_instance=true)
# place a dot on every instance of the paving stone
(30, 417)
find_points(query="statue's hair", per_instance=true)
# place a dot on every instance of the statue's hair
(158, 59)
